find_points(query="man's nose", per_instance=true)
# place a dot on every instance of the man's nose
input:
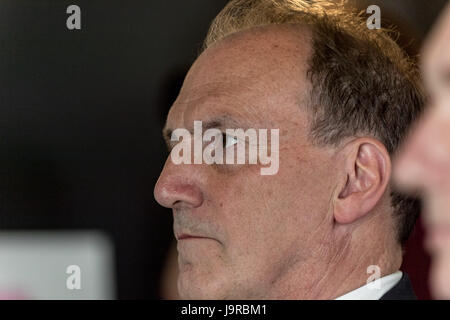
(425, 158)
(177, 187)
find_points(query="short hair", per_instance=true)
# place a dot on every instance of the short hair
(362, 82)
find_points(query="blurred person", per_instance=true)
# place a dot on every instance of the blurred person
(424, 164)
(343, 97)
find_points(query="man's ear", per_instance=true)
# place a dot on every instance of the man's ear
(368, 169)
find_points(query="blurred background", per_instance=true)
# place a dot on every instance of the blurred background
(81, 113)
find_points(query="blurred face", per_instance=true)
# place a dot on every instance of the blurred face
(240, 234)
(425, 162)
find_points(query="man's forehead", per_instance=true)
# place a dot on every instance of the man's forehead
(243, 74)
(286, 36)
(256, 51)
(213, 103)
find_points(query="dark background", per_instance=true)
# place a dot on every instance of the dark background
(81, 114)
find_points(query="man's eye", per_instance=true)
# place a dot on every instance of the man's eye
(228, 140)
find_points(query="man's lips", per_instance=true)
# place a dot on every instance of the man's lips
(186, 236)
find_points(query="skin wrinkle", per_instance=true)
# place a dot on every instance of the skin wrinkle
(338, 256)
(335, 259)
(243, 114)
(278, 233)
(213, 95)
(384, 260)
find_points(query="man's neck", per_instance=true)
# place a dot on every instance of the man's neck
(340, 271)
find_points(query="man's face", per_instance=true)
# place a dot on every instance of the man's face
(425, 163)
(240, 234)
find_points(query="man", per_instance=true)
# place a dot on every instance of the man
(424, 164)
(342, 97)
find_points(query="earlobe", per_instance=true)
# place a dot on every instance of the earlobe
(367, 168)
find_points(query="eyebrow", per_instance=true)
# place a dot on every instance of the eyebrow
(223, 121)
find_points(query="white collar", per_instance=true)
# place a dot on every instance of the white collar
(373, 290)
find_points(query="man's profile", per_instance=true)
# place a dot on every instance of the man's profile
(343, 98)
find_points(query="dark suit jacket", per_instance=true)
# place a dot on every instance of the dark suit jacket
(403, 290)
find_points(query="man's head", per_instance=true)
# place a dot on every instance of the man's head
(425, 163)
(342, 98)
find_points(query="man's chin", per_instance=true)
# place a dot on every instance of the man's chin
(206, 286)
